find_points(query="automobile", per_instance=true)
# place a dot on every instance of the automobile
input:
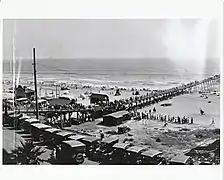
(119, 154)
(181, 160)
(71, 152)
(21, 120)
(152, 157)
(134, 154)
(26, 125)
(48, 134)
(62, 136)
(92, 143)
(16, 120)
(104, 151)
(36, 130)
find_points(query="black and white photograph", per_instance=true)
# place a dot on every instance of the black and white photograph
(111, 92)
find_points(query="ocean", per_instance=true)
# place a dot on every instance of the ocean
(148, 73)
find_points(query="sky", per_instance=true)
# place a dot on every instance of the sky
(130, 38)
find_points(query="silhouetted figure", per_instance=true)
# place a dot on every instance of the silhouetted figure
(165, 124)
(154, 110)
(178, 119)
(101, 135)
(192, 120)
(213, 121)
(202, 112)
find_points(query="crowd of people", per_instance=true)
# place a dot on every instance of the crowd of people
(152, 115)
(172, 119)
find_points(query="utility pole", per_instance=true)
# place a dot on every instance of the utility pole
(56, 93)
(35, 82)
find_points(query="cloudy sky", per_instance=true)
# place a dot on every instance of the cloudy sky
(189, 38)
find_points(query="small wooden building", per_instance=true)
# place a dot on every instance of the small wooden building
(23, 92)
(96, 98)
(116, 118)
(20, 92)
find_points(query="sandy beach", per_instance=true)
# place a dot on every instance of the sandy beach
(174, 138)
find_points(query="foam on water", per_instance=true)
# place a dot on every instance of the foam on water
(148, 73)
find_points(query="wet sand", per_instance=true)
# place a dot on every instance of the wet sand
(189, 105)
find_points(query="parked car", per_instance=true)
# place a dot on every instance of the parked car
(49, 134)
(17, 120)
(105, 149)
(62, 136)
(26, 125)
(181, 160)
(119, 154)
(37, 129)
(92, 143)
(71, 152)
(134, 154)
(152, 157)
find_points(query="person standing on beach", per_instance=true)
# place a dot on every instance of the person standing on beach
(202, 112)
(154, 110)
(192, 120)
(213, 121)
(178, 119)
(165, 124)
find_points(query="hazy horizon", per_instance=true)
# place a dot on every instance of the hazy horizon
(112, 38)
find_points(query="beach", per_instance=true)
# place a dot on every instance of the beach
(172, 139)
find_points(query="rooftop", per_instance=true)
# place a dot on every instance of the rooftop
(31, 120)
(52, 130)
(151, 153)
(73, 143)
(118, 114)
(135, 149)
(77, 137)
(180, 158)
(109, 140)
(41, 126)
(64, 133)
(121, 145)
